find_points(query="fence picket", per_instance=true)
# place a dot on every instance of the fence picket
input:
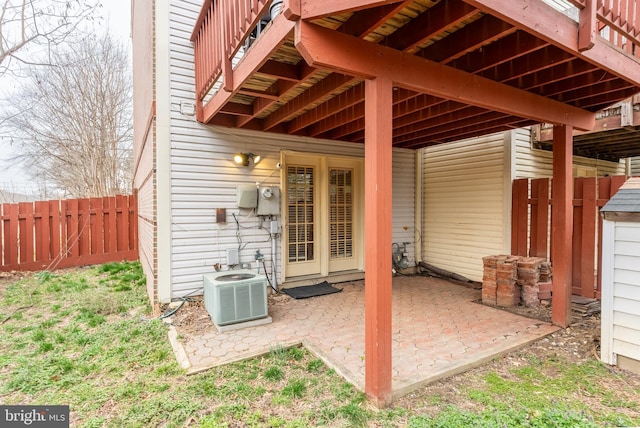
(539, 217)
(123, 222)
(588, 269)
(519, 207)
(113, 226)
(25, 233)
(589, 196)
(56, 234)
(72, 238)
(43, 236)
(56, 230)
(95, 210)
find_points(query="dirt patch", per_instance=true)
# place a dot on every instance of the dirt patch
(578, 344)
(8, 278)
(192, 318)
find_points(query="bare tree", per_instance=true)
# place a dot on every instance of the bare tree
(72, 123)
(38, 25)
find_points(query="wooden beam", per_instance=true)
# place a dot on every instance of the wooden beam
(365, 22)
(280, 70)
(237, 109)
(606, 124)
(348, 98)
(560, 30)
(312, 9)
(351, 119)
(291, 9)
(378, 224)
(433, 22)
(587, 26)
(318, 91)
(468, 39)
(360, 58)
(261, 50)
(562, 224)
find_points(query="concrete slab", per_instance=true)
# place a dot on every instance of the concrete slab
(240, 325)
(438, 331)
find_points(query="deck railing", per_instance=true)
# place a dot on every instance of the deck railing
(616, 20)
(221, 29)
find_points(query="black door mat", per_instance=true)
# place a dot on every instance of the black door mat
(311, 290)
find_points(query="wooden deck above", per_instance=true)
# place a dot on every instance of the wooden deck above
(459, 68)
(616, 134)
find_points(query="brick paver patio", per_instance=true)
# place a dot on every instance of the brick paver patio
(438, 331)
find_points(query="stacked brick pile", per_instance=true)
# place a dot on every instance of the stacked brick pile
(508, 292)
(544, 286)
(509, 280)
(499, 281)
(489, 277)
(528, 279)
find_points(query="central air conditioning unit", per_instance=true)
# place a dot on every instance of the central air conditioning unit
(235, 296)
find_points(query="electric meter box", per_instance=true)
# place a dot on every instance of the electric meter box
(247, 196)
(269, 201)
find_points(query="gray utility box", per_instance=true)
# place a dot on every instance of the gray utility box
(235, 296)
(269, 201)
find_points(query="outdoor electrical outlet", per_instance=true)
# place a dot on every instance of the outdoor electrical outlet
(221, 215)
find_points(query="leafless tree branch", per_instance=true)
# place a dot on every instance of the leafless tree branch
(35, 26)
(72, 123)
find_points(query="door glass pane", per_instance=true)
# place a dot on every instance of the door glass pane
(340, 213)
(300, 202)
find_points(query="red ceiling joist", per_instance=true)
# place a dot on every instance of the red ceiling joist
(321, 89)
(443, 15)
(554, 27)
(361, 58)
(312, 9)
(468, 39)
(365, 22)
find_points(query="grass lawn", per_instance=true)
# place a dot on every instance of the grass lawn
(81, 337)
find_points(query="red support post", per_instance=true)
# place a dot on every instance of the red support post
(378, 216)
(562, 223)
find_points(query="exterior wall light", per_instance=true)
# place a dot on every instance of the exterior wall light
(245, 158)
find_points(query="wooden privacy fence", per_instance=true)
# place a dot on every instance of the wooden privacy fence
(75, 232)
(531, 225)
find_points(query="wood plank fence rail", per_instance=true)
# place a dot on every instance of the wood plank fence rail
(65, 233)
(531, 225)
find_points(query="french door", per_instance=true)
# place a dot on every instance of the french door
(322, 214)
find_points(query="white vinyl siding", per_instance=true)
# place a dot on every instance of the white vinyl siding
(404, 176)
(204, 176)
(634, 164)
(621, 291)
(534, 163)
(464, 216)
(144, 181)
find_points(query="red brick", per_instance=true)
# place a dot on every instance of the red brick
(544, 295)
(528, 276)
(532, 263)
(545, 286)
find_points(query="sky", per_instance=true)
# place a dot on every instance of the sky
(116, 17)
